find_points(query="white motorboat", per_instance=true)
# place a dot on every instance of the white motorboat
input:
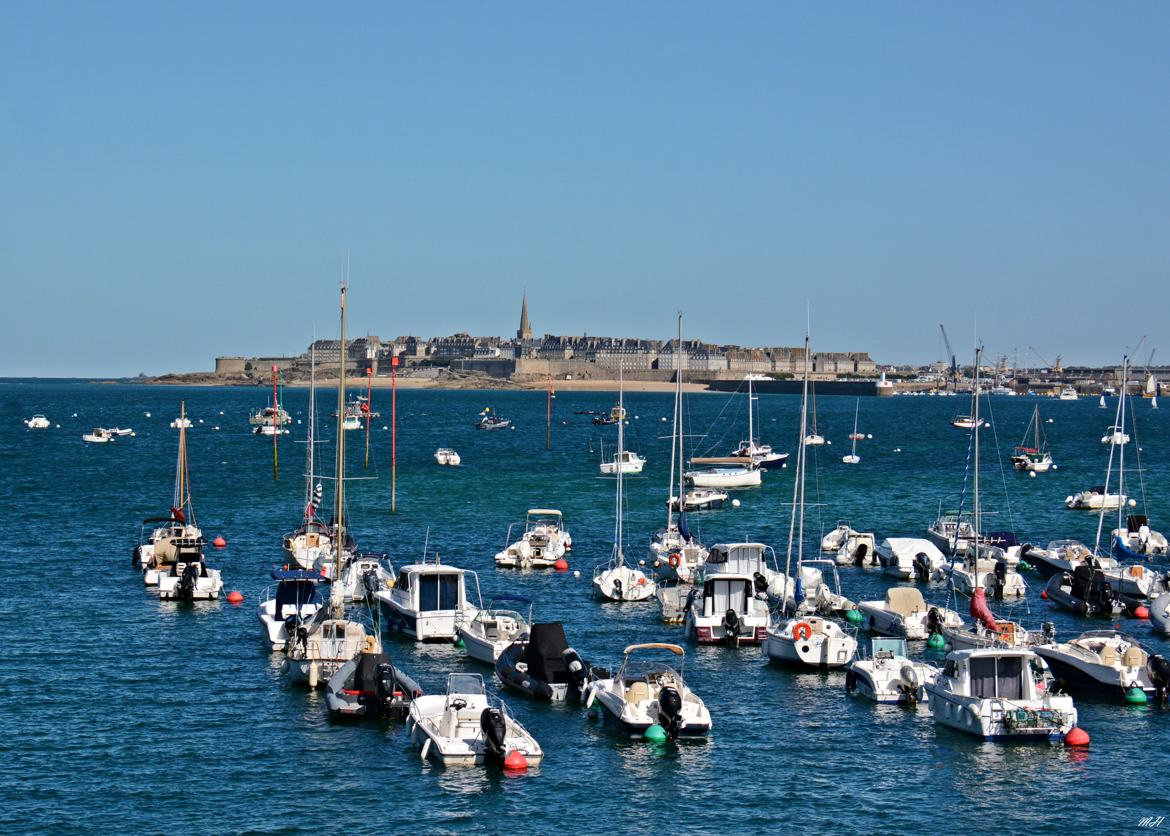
(1138, 539)
(904, 612)
(831, 543)
(993, 694)
(858, 550)
(814, 440)
(270, 430)
(447, 456)
(987, 573)
(492, 629)
(726, 608)
(1068, 393)
(489, 421)
(648, 698)
(1115, 435)
(759, 562)
(700, 499)
(907, 558)
(463, 728)
(952, 531)
(625, 462)
(1108, 661)
(544, 541)
(293, 603)
(121, 432)
(429, 601)
(363, 574)
(351, 422)
(38, 422)
(1035, 458)
(1160, 613)
(723, 472)
(189, 579)
(889, 675)
(98, 435)
(1058, 556)
(810, 641)
(181, 423)
(1095, 499)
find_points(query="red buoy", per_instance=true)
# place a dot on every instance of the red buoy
(1044, 594)
(219, 542)
(1141, 612)
(1076, 737)
(515, 762)
(561, 565)
(235, 597)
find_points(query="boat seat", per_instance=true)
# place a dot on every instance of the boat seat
(904, 600)
(1134, 657)
(1108, 654)
(637, 692)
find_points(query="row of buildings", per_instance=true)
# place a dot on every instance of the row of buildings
(584, 355)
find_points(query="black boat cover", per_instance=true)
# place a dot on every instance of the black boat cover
(546, 643)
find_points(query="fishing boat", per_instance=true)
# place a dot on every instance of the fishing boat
(98, 435)
(854, 437)
(904, 612)
(310, 545)
(429, 601)
(370, 685)
(617, 580)
(723, 472)
(909, 558)
(291, 605)
(489, 421)
(889, 675)
(447, 456)
(464, 728)
(544, 541)
(1036, 458)
(494, 628)
(993, 694)
(762, 455)
(1108, 661)
(624, 461)
(542, 665)
(38, 422)
(648, 698)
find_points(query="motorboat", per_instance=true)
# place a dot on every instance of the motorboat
(952, 531)
(542, 665)
(1115, 435)
(904, 612)
(1057, 556)
(727, 608)
(889, 675)
(723, 472)
(464, 728)
(121, 432)
(493, 629)
(1068, 393)
(270, 430)
(321, 646)
(1034, 458)
(294, 602)
(988, 573)
(1137, 539)
(988, 631)
(1095, 499)
(157, 551)
(908, 558)
(447, 456)
(429, 601)
(363, 574)
(1067, 556)
(370, 685)
(831, 543)
(355, 412)
(1085, 591)
(814, 440)
(98, 435)
(617, 413)
(270, 416)
(811, 641)
(189, 578)
(857, 550)
(544, 541)
(1107, 660)
(994, 694)
(699, 499)
(38, 422)
(966, 422)
(647, 693)
(181, 423)
(757, 561)
(490, 421)
(625, 462)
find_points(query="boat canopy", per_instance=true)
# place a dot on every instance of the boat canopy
(544, 654)
(673, 648)
(740, 460)
(544, 512)
(296, 575)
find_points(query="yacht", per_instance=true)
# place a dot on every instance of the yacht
(648, 698)
(429, 601)
(904, 612)
(988, 631)
(1035, 458)
(493, 629)
(294, 602)
(1068, 393)
(464, 728)
(889, 675)
(544, 541)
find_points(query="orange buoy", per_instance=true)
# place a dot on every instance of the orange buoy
(642, 581)
(235, 597)
(219, 542)
(561, 565)
(515, 762)
(1076, 737)
(1141, 612)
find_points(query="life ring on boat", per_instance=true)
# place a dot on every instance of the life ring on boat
(802, 631)
(1137, 571)
(674, 560)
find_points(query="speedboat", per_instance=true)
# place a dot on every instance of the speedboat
(1067, 556)
(463, 728)
(447, 456)
(1115, 435)
(951, 531)
(295, 602)
(428, 601)
(493, 629)
(889, 675)
(370, 685)
(189, 578)
(1057, 556)
(907, 558)
(723, 472)
(857, 550)
(320, 647)
(1084, 592)
(543, 543)
(811, 641)
(627, 461)
(727, 608)
(1095, 499)
(904, 612)
(488, 421)
(38, 422)
(700, 499)
(1137, 539)
(831, 543)
(993, 694)
(98, 435)
(988, 573)
(542, 665)
(1109, 661)
(647, 693)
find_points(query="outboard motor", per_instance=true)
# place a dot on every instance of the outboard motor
(908, 683)
(495, 729)
(934, 622)
(759, 582)
(1024, 549)
(922, 566)
(731, 626)
(617, 589)
(578, 667)
(1048, 630)
(860, 553)
(1159, 671)
(670, 710)
(386, 693)
(370, 580)
(1000, 578)
(690, 602)
(1104, 597)
(188, 581)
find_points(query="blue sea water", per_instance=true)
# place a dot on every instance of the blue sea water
(121, 713)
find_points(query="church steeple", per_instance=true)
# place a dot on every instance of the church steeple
(525, 331)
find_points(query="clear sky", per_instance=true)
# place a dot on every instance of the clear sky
(180, 180)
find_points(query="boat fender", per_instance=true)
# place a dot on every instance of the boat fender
(576, 665)
(425, 750)
(674, 560)
(801, 631)
(312, 674)
(135, 556)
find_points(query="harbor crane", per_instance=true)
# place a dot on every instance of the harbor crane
(1054, 367)
(954, 372)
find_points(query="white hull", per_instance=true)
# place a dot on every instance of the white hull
(623, 583)
(725, 478)
(826, 645)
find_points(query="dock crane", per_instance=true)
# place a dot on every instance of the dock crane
(954, 372)
(1055, 367)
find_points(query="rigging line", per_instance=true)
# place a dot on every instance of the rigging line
(999, 458)
(952, 592)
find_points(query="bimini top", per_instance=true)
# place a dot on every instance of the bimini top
(544, 512)
(673, 648)
(296, 575)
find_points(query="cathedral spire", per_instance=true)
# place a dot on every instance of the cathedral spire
(525, 330)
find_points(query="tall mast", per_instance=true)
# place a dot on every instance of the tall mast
(620, 446)
(678, 387)
(798, 482)
(181, 477)
(1121, 452)
(309, 475)
(751, 431)
(339, 492)
(975, 522)
(675, 431)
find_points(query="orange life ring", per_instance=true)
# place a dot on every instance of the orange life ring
(802, 631)
(674, 560)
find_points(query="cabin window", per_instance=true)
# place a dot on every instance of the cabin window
(403, 582)
(438, 592)
(997, 677)
(725, 595)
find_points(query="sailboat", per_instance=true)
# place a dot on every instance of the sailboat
(854, 436)
(1133, 539)
(675, 553)
(310, 546)
(969, 421)
(805, 639)
(762, 455)
(1101, 403)
(1037, 458)
(321, 647)
(814, 438)
(618, 580)
(271, 420)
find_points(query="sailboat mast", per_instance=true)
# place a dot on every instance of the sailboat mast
(620, 447)
(311, 454)
(182, 475)
(751, 429)
(676, 430)
(1121, 452)
(856, 410)
(339, 492)
(798, 482)
(975, 416)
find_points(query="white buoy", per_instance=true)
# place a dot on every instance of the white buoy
(735, 503)
(576, 573)
(1031, 474)
(200, 420)
(870, 436)
(216, 428)
(1132, 503)
(147, 414)
(641, 562)
(221, 412)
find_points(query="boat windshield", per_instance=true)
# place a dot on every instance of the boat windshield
(889, 647)
(644, 670)
(465, 683)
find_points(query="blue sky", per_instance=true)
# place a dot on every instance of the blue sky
(181, 180)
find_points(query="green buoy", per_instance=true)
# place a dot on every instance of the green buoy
(655, 734)
(459, 642)
(1136, 696)
(1023, 566)
(853, 616)
(936, 642)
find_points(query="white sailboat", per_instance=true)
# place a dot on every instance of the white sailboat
(761, 454)
(1037, 458)
(854, 436)
(310, 545)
